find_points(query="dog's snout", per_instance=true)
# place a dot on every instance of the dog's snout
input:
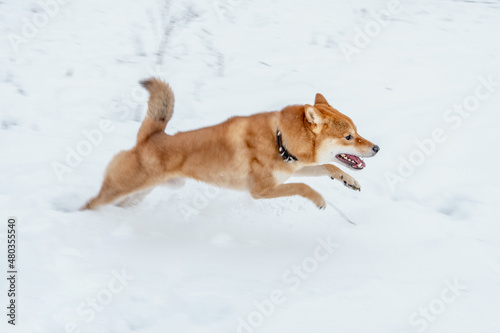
(376, 148)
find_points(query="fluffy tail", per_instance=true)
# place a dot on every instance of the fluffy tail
(160, 108)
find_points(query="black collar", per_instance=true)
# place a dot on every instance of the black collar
(287, 157)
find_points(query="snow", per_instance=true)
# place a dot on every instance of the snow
(424, 253)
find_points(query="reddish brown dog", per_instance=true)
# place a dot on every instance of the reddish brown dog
(257, 153)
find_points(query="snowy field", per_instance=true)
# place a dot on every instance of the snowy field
(419, 78)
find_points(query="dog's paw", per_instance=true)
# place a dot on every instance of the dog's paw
(320, 202)
(349, 182)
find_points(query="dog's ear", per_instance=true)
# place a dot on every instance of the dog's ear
(320, 99)
(313, 116)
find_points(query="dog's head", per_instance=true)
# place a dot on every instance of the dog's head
(336, 137)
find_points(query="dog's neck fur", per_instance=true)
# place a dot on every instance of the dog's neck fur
(299, 138)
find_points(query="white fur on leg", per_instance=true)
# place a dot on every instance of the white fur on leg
(134, 198)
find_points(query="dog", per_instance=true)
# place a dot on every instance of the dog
(257, 153)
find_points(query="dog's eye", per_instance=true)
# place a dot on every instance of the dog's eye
(349, 137)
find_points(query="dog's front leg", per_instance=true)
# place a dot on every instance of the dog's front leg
(286, 190)
(329, 170)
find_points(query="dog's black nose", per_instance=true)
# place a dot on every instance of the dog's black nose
(376, 148)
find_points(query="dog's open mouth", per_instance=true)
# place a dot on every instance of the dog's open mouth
(351, 161)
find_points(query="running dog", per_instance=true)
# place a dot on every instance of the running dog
(257, 153)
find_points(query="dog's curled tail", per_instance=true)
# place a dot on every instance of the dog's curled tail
(160, 108)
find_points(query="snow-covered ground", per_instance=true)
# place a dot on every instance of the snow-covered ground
(419, 78)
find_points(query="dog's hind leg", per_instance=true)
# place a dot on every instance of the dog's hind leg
(111, 192)
(134, 198)
(124, 176)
